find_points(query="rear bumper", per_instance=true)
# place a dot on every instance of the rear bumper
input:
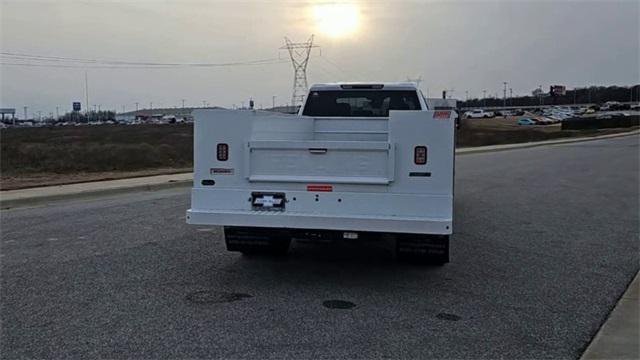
(292, 220)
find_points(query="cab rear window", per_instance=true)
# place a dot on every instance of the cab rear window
(363, 103)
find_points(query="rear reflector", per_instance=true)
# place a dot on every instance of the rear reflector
(420, 155)
(222, 152)
(320, 187)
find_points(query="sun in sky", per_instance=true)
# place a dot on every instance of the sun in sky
(336, 20)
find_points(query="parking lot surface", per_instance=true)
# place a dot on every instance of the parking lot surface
(546, 241)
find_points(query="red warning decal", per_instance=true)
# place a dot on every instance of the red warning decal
(320, 187)
(441, 114)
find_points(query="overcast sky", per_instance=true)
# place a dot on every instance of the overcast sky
(464, 46)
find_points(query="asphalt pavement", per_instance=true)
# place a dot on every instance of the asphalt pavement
(546, 241)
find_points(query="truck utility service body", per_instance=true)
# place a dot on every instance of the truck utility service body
(358, 161)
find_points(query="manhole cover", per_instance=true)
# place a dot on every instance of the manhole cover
(338, 304)
(212, 297)
(448, 317)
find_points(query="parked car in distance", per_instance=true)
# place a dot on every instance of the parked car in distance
(527, 121)
(612, 105)
(478, 114)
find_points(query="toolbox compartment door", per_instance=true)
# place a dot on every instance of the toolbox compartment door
(346, 162)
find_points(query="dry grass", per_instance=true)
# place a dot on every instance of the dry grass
(74, 149)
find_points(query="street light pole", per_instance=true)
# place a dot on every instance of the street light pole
(540, 94)
(504, 94)
(484, 98)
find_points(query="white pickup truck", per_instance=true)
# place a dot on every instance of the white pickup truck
(479, 114)
(359, 161)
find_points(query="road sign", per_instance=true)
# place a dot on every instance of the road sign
(76, 106)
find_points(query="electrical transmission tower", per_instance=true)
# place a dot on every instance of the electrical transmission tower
(299, 53)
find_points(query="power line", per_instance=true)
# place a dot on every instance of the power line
(20, 59)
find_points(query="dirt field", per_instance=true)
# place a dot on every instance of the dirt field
(58, 155)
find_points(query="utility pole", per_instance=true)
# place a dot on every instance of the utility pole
(466, 95)
(136, 107)
(511, 96)
(25, 114)
(540, 94)
(273, 102)
(299, 53)
(504, 94)
(86, 91)
(99, 107)
(150, 105)
(484, 98)
(57, 113)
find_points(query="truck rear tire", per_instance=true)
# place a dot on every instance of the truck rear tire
(423, 249)
(253, 240)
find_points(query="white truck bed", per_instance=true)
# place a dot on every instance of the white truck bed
(351, 174)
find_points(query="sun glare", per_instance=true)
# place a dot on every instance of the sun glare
(336, 19)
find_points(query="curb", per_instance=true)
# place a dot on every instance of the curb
(40, 200)
(79, 194)
(618, 336)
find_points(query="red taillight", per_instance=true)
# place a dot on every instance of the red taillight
(420, 155)
(222, 152)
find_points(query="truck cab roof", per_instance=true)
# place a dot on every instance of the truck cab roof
(364, 86)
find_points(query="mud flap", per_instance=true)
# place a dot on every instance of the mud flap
(255, 240)
(428, 249)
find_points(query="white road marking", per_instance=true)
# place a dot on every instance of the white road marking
(52, 239)
(206, 230)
